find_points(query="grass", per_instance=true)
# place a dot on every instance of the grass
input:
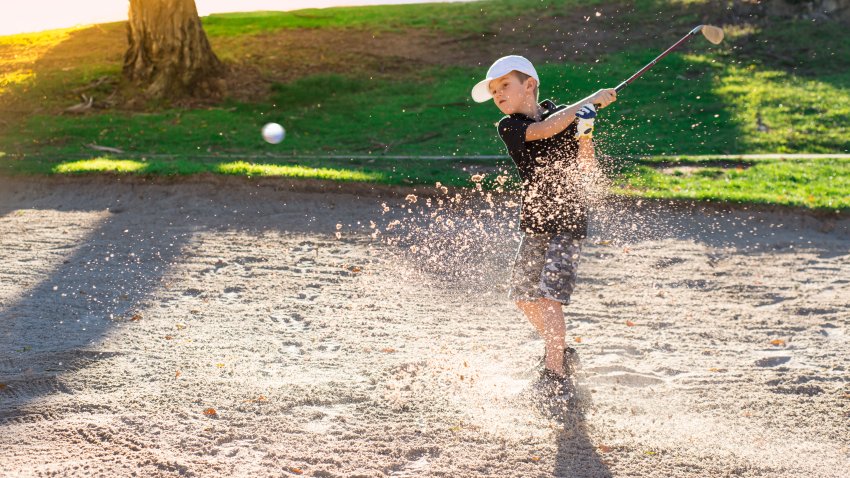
(370, 170)
(462, 17)
(822, 184)
(758, 93)
(334, 114)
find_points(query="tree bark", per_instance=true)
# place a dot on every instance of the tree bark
(169, 55)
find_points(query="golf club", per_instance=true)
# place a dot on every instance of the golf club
(711, 33)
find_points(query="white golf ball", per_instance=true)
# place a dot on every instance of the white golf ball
(273, 133)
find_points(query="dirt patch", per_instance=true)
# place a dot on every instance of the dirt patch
(240, 329)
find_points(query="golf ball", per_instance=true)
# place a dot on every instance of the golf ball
(273, 133)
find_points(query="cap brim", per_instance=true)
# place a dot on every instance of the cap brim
(481, 91)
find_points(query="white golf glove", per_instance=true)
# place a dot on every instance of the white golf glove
(586, 114)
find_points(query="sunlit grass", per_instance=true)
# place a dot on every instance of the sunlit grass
(14, 78)
(815, 183)
(780, 112)
(390, 172)
(18, 53)
(99, 165)
(242, 168)
(32, 43)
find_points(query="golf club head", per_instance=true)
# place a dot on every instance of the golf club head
(712, 33)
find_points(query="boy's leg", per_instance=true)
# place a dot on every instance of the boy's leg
(557, 282)
(555, 334)
(534, 314)
(547, 316)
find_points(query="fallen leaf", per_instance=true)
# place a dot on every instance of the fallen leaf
(649, 452)
(777, 342)
(535, 458)
(465, 364)
(168, 337)
(577, 339)
(180, 326)
(604, 448)
(219, 365)
(630, 323)
(388, 350)
(210, 412)
(355, 269)
(297, 471)
(176, 374)
(136, 318)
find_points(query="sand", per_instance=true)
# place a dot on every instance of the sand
(713, 342)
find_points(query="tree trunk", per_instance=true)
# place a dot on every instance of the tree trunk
(169, 55)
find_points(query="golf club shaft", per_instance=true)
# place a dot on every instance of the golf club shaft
(653, 62)
(659, 57)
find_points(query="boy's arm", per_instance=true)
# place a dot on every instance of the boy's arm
(587, 155)
(560, 120)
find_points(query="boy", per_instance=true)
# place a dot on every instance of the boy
(551, 152)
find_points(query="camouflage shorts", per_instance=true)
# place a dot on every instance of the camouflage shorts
(545, 266)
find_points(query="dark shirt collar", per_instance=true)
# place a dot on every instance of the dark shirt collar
(547, 105)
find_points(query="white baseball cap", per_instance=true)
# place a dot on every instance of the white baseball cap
(501, 67)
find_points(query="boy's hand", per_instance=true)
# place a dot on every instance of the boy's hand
(604, 97)
(585, 115)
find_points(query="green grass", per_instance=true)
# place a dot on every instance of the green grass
(368, 170)
(817, 184)
(462, 17)
(821, 184)
(703, 101)
(714, 112)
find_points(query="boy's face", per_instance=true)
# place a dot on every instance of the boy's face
(510, 94)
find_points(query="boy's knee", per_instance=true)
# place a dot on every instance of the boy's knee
(550, 305)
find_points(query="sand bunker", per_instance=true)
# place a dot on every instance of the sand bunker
(228, 329)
